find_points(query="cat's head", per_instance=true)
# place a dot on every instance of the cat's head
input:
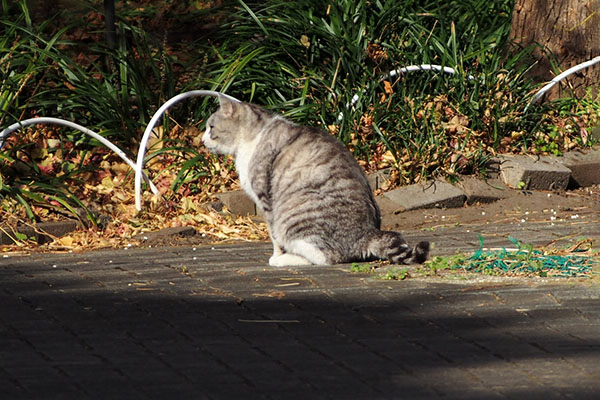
(231, 125)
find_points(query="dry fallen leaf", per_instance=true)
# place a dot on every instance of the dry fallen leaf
(66, 241)
(388, 88)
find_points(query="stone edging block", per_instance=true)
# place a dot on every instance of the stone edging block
(433, 194)
(534, 173)
(480, 191)
(43, 232)
(584, 166)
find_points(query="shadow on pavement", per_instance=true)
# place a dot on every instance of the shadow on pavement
(160, 330)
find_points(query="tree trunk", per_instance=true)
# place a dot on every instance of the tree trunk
(109, 17)
(568, 32)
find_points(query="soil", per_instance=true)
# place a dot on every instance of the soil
(518, 206)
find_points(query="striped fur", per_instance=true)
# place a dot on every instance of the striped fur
(315, 197)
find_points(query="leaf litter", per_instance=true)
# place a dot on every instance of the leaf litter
(108, 193)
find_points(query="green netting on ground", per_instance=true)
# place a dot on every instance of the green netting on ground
(576, 261)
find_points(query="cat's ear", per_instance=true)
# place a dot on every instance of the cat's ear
(228, 107)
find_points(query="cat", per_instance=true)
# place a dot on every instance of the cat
(315, 197)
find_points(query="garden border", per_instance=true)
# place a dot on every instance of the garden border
(139, 164)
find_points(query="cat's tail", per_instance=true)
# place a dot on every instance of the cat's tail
(392, 246)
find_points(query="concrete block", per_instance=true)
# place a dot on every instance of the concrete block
(44, 232)
(237, 202)
(433, 194)
(534, 173)
(584, 166)
(479, 191)
(386, 206)
(380, 179)
(493, 168)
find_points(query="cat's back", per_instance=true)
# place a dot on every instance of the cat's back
(319, 188)
(316, 157)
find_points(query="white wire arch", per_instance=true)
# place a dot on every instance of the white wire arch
(421, 67)
(57, 121)
(403, 70)
(559, 78)
(146, 136)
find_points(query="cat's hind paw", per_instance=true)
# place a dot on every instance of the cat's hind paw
(287, 259)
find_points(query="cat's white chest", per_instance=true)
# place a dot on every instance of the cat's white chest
(243, 158)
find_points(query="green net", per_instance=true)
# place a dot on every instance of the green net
(576, 261)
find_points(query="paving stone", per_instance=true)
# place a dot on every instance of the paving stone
(584, 166)
(480, 191)
(241, 329)
(534, 173)
(433, 194)
(237, 202)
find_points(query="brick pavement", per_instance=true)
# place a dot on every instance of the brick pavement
(218, 323)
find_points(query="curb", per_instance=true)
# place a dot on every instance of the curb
(509, 172)
(584, 166)
(41, 233)
(45, 232)
(432, 194)
(574, 169)
(522, 172)
(534, 173)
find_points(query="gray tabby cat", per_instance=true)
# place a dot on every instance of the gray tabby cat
(314, 196)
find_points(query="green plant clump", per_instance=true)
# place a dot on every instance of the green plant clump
(361, 268)
(394, 274)
(327, 64)
(44, 71)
